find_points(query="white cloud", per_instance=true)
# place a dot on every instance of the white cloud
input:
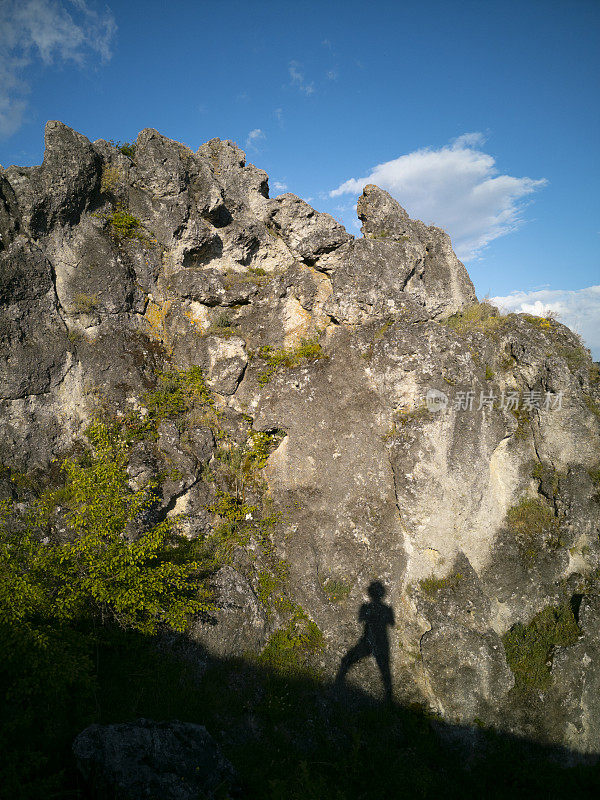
(579, 309)
(456, 187)
(297, 78)
(45, 29)
(254, 137)
(280, 186)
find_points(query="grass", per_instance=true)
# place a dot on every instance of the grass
(534, 525)
(307, 351)
(335, 589)
(290, 648)
(482, 317)
(531, 515)
(547, 475)
(223, 326)
(576, 356)
(543, 323)
(529, 647)
(432, 585)
(111, 176)
(592, 405)
(404, 417)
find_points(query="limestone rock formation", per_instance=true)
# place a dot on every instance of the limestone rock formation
(319, 351)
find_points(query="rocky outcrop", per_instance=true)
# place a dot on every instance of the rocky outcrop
(476, 513)
(154, 760)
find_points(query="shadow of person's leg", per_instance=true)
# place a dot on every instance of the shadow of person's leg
(361, 649)
(382, 657)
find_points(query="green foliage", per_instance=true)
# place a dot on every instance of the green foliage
(531, 515)
(111, 177)
(106, 565)
(127, 148)
(489, 373)
(223, 326)
(548, 477)
(481, 317)
(529, 647)
(405, 417)
(308, 350)
(124, 225)
(575, 355)
(432, 585)
(271, 587)
(543, 323)
(258, 271)
(592, 405)
(522, 416)
(177, 392)
(534, 525)
(289, 649)
(77, 561)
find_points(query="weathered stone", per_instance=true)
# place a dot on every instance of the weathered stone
(152, 760)
(306, 231)
(239, 625)
(467, 671)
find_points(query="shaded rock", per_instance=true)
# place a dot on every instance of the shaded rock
(467, 670)
(306, 231)
(240, 622)
(152, 760)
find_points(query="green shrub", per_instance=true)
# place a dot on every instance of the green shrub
(531, 516)
(127, 148)
(534, 525)
(124, 225)
(489, 373)
(308, 350)
(481, 317)
(529, 647)
(177, 392)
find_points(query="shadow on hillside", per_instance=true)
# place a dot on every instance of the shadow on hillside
(290, 736)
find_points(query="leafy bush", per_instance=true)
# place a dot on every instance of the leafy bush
(289, 649)
(127, 148)
(79, 561)
(177, 392)
(124, 225)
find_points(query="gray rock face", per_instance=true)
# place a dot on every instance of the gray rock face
(476, 516)
(153, 760)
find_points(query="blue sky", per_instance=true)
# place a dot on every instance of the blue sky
(481, 117)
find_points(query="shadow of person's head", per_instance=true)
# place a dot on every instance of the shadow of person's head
(376, 591)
